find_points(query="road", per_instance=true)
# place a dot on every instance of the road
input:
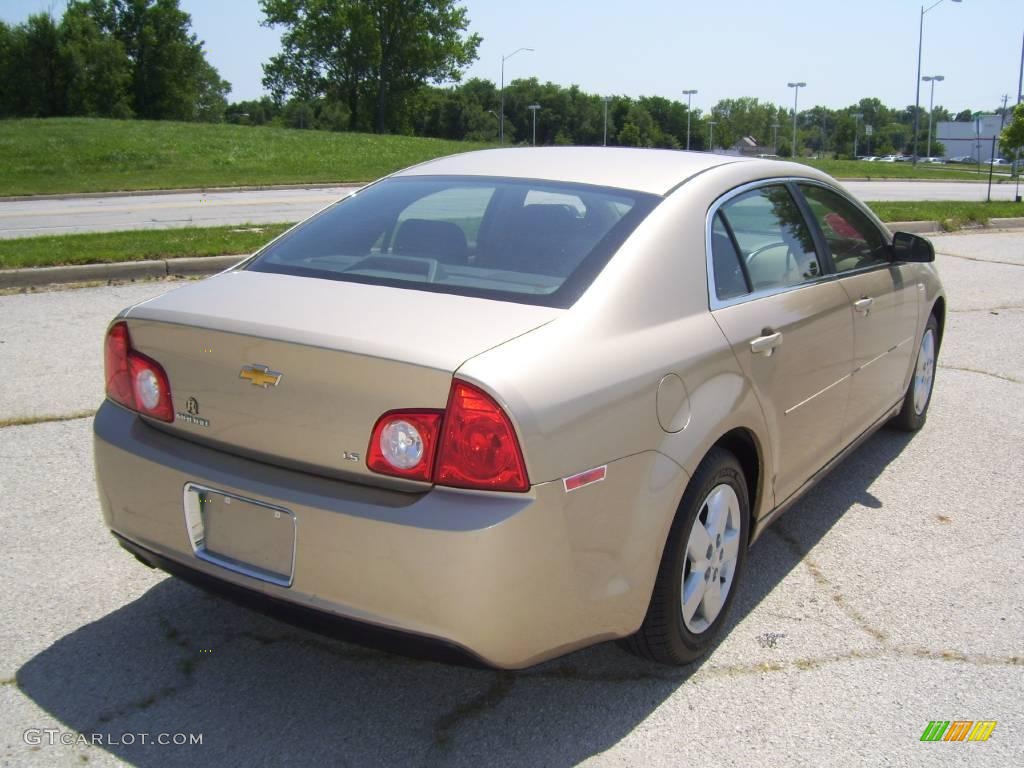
(892, 595)
(25, 218)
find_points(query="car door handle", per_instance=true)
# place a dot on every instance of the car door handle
(765, 345)
(863, 305)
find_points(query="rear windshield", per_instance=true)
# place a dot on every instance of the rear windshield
(534, 242)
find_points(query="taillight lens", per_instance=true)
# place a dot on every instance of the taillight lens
(471, 444)
(479, 448)
(403, 444)
(134, 380)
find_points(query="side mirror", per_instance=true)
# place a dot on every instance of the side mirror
(910, 247)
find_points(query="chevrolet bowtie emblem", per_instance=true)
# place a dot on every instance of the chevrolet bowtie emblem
(260, 376)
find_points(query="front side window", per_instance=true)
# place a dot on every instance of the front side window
(775, 244)
(855, 242)
(529, 241)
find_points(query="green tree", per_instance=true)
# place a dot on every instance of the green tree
(32, 78)
(375, 54)
(1011, 140)
(97, 69)
(170, 76)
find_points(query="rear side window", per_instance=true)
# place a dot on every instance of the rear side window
(853, 239)
(730, 280)
(528, 241)
(774, 241)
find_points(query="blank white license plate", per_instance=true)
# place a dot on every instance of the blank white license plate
(242, 535)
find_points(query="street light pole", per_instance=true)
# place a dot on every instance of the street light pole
(501, 118)
(931, 106)
(796, 91)
(775, 138)
(533, 108)
(857, 116)
(711, 139)
(917, 98)
(689, 97)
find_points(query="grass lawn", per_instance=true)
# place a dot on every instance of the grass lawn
(67, 155)
(60, 155)
(860, 169)
(950, 213)
(136, 245)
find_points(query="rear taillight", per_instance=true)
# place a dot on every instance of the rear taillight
(471, 444)
(478, 448)
(403, 444)
(134, 380)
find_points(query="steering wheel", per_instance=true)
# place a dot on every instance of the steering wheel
(791, 262)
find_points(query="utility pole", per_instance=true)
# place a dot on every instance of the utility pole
(501, 109)
(796, 91)
(689, 97)
(533, 108)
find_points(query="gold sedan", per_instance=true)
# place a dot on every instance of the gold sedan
(511, 403)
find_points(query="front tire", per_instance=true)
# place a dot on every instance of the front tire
(914, 412)
(701, 565)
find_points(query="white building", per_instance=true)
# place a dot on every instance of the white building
(973, 139)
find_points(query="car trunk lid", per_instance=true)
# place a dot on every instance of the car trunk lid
(296, 371)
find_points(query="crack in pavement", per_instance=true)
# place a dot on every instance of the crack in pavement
(983, 261)
(23, 421)
(1000, 376)
(1002, 307)
(823, 581)
(499, 689)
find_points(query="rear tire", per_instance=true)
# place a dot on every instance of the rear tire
(914, 412)
(703, 560)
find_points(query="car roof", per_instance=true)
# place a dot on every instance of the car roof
(656, 171)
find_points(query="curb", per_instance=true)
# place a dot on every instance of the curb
(935, 227)
(126, 270)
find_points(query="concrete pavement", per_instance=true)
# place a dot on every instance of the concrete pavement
(50, 216)
(890, 596)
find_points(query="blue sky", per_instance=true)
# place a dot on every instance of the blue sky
(843, 50)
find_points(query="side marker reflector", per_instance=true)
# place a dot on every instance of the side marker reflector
(595, 475)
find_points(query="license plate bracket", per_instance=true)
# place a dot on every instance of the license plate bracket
(242, 535)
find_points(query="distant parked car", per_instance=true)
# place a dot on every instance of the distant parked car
(931, 160)
(903, 158)
(961, 159)
(1001, 161)
(868, 158)
(887, 159)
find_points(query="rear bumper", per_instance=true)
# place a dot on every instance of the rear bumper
(510, 579)
(331, 624)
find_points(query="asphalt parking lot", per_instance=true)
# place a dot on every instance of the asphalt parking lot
(892, 595)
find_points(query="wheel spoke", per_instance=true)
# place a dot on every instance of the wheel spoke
(693, 593)
(718, 510)
(730, 547)
(712, 602)
(697, 546)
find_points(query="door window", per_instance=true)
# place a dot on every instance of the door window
(855, 242)
(774, 241)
